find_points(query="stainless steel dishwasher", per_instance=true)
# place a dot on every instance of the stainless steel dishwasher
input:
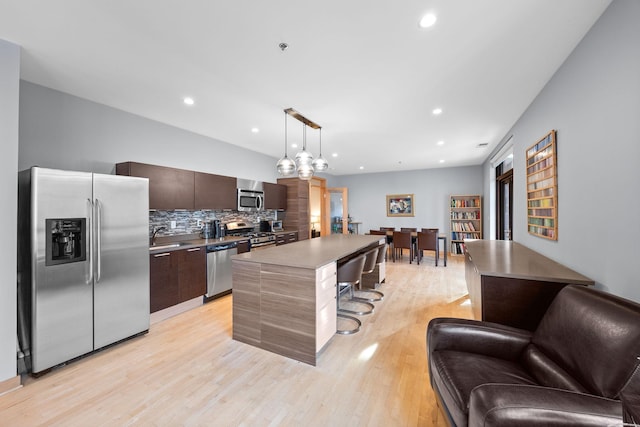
(219, 269)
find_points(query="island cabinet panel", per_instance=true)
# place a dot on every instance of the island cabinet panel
(169, 188)
(288, 320)
(326, 305)
(215, 191)
(246, 302)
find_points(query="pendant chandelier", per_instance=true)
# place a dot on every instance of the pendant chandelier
(304, 162)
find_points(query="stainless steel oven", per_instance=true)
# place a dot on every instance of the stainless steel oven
(263, 242)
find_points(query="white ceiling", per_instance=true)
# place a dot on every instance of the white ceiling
(361, 69)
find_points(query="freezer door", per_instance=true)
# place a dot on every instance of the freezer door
(61, 293)
(121, 262)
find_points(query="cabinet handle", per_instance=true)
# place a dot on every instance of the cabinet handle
(162, 254)
(193, 250)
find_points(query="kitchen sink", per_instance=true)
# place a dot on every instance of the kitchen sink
(167, 246)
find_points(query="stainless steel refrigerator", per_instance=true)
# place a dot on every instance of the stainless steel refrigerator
(83, 263)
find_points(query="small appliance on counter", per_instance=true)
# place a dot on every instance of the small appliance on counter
(272, 226)
(212, 229)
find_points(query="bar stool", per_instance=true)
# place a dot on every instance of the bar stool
(380, 260)
(382, 233)
(371, 258)
(349, 275)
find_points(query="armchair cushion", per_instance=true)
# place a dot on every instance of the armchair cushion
(502, 405)
(458, 373)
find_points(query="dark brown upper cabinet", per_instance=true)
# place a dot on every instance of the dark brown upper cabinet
(215, 191)
(275, 196)
(169, 188)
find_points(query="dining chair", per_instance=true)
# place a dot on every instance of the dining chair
(413, 237)
(402, 240)
(428, 241)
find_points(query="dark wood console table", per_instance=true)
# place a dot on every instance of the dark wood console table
(511, 284)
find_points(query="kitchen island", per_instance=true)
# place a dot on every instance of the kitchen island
(284, 297)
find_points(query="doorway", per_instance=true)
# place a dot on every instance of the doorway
(504, 199)
(339, 210)
(317, 207)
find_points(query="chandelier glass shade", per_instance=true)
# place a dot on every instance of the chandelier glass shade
(319, 163)
(285, 165)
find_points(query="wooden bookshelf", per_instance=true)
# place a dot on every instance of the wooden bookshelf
(542, 188)
(466, 220)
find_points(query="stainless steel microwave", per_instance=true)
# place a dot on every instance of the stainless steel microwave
(250, 200)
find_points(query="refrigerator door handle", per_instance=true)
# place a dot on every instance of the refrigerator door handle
(90, 240)
(98, 252)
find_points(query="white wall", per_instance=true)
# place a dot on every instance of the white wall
(9, 99)
(58, 130)
(593, 101)
(431, 189)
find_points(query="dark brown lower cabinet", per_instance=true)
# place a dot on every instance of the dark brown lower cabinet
(192, 276)
(284, 238)
(243, 246)
(177, 276)
(163, 280)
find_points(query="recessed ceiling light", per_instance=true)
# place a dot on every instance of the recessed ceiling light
(334, 155)
(188, 100)
(361, 167)
(441, 160)
(255, 130)
(427, 20)
(437, 111)
(294, 145)
(440, 142)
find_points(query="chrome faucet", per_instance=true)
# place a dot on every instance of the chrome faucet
(153, 236)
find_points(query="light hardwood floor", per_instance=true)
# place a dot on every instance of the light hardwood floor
(187, 371)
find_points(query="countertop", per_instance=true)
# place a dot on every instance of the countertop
(502, 258)
(311, 253)
(192, 243)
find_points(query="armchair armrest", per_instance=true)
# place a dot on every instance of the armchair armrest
(473, 336)
(498, 405)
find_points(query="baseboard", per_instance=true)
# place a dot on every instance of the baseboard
(10, 385)
(168, 312)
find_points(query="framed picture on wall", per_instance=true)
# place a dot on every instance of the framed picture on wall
(400, 205)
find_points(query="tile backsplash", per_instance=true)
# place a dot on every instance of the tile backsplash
(187, 221)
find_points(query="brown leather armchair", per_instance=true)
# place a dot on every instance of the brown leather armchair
(572, 370)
